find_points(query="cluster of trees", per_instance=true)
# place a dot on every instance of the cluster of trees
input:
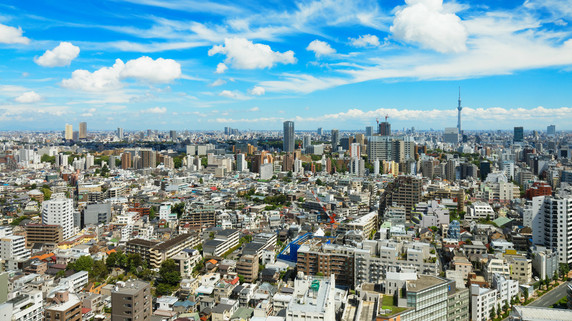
(169, 278)
(130, 263)
(97, 269)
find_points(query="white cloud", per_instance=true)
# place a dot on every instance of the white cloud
(155, 110)
(158, 71)
(320, 48)
(247, 120)
(254, 109)
(218, 82)
(491, 114)
(221, 68)
(365, 41)
(257, 91)
(60, 56)
(28, 97)
(427, 23)
(302, 83)
(233, 94)
(244, 54)
(109, 78)
(11, 35)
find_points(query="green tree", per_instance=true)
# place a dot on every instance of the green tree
(493, 313)
(84, 263)
(169, 272)
(151, 213)
(163, 289)
(99, 270)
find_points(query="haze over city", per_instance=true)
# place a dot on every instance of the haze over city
(253, 64)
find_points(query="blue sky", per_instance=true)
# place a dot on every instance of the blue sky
(174, 64)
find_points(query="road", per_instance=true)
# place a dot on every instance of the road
(551, 297)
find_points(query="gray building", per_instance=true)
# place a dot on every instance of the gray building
(131, 300)
(288, 144)
(94, 214)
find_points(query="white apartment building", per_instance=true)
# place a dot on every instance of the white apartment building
(479, 210)
(483, 300)
(26, 306)
(552, 225)
(13, 247)
(59, 211)
(165, 212)
(506, 288)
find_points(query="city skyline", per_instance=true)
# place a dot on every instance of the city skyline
(203, 66)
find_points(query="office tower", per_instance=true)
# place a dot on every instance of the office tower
(126, 160)
(459, 108)
(69, 132)
(451, 135)
(59, 211)
(131, 300)
(82, 130)
(355, 150)
(320, 131)
(307, 141)
(241, 164)
(75, 136)
(379, 147)
(551, 130)
(288, 144)
(335, 139)
(518, 135)
(551, 218)
(485, 169)
(384, 128)
(120, 133)
(173, 134)
(148, 159)
(368, 131)
(403, 191)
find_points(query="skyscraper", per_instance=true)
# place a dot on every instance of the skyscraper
(288, 144)
(459, 108)
(551, 221)
(173, 134)
(307, 141)
(82, 130)
(69, 132)
(551, 130)
(335, 139)
(368, 131)
(385, 128)
(120, 133)
(320, 131)
(518, 135)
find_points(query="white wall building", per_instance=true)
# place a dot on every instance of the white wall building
(59, 211)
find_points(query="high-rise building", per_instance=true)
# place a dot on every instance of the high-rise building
(173, 134)
(68, 135)
(126, 160)
(131, 300)
(75, 136)
(320, 131)
(384, 129)
(120, 133)
(13, 247)
(551, 218)
(148, 158)
(335, 139)
(288, 144)
(403, 191)
(59, 211)
(82, 130)
(518, 135)
(307, 141)
(368, 131)
(485, 169)
(551, 130)
(241, 164)
(379, 147)
(451, 135)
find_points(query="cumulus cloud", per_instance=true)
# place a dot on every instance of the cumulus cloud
(157, 71)
(11, 35)
(257, 91)
(365, 41)
(109, 78)
(221, 68)
(427, 23)
(244, 54)
(155, 110)
(254, 109)
(320, 48)
(60, 56)
(28, 97)
(234, 94)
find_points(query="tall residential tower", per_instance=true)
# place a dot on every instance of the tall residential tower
(459, 108)
(288, 145)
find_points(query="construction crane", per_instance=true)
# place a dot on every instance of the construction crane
(330, 216)
(386, 117)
